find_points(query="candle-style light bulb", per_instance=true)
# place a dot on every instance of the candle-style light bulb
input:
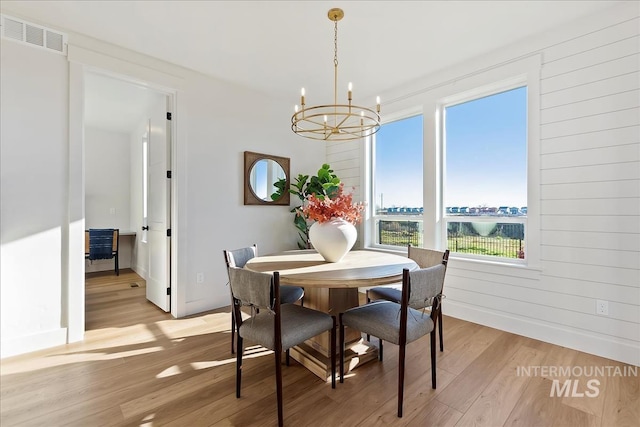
(350, 89)
(361, 118)
(302, 97)
(295, 108)
(378, 103)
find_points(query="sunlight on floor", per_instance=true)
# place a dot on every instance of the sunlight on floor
(67, 359)
(210, 323)
(249, 353)
(115, 343)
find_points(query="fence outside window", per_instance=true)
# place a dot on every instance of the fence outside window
(497, 239)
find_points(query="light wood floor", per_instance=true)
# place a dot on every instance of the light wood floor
(138, 366)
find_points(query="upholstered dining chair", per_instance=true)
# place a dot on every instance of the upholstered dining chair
(401, 323)
(272, 325)
(238, 258)
(424, 258)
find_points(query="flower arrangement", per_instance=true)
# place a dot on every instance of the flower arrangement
(322, 209)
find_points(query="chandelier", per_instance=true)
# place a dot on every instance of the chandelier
(336, 122)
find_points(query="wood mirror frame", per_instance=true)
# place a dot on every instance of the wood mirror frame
(250, 197)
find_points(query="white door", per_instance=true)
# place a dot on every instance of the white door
(158, 205)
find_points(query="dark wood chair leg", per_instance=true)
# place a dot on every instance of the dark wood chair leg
(380, 351)
(333, 353)
(278, 355)
(233, 330)
(401, 357)
(440, 329)
(368, 301)
(287, 357)
(341, 326)
(117, 265)
(238, 366)
(433, 359)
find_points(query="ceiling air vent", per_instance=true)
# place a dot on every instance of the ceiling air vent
(33, 35)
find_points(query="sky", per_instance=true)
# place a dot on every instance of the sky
(398, 173)
(485, 160)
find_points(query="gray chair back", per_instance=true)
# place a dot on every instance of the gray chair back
(239, 257)
(252, 288)
(427, 257)
(424, 285)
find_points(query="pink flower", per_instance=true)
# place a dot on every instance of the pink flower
(323, 209)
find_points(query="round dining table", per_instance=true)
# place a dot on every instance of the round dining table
(332, 287)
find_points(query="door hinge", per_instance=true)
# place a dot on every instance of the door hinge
(169, 174)
(168, 232)
(168, 291)
(168, 116)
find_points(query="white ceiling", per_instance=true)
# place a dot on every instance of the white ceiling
(277, 47)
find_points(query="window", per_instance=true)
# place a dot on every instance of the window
(397, 184)
(484, 185)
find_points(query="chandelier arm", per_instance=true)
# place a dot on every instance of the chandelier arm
(347, 117)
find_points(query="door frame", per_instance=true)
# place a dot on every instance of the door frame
(82, 60)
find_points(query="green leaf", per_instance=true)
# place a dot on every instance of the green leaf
(324, 184)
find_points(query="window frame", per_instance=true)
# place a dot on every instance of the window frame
(371, 217)
(521, 72)
(460, 98)
(427, 101)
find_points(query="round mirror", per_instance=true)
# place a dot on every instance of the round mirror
(267, 180)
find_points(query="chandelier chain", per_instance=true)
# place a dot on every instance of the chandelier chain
(335, 43)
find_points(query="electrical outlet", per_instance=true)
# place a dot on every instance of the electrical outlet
(602, 307)
(112, 211)
(199, 277)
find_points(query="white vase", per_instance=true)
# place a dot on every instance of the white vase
(333, 239)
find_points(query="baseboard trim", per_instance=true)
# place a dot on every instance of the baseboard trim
(578, 340)
(140, 271)
(198, 306)
(34, 342)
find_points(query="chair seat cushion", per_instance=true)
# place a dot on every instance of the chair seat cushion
(290, 294)
(298, 324)
(388, 293)
(382, 319)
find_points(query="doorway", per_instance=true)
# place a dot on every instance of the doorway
(127, 158)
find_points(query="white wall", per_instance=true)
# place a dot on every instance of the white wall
(216, 216)
(589, 191)
(213, 129)
(107, 190)
(33, 196)
(107, 179)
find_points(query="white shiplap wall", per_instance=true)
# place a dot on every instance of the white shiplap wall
(589, 196)
(590, 181)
